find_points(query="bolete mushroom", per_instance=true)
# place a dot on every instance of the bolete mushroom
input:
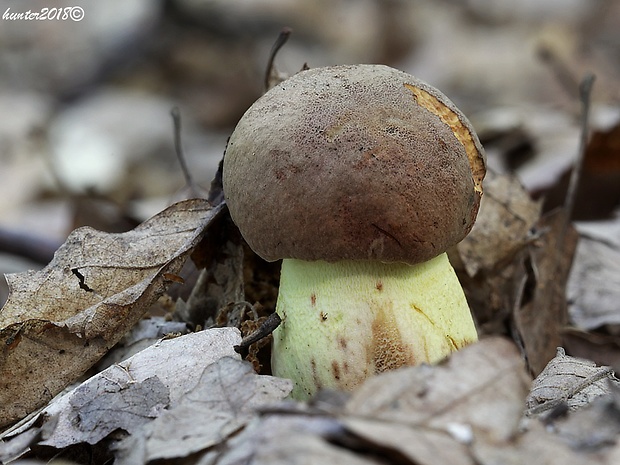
(360, 178)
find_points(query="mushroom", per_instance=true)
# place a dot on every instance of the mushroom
(360, 178)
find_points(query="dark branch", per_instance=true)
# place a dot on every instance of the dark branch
(280, 41)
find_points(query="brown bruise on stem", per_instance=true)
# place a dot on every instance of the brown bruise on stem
(336, 370)
(461, 132)
(388, 351)
(315, 376)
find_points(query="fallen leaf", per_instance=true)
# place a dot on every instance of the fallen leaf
(16, 447)
(176, 364)
(507, 214)
(98, 409)
(593, 428)
(222, 402)
(488, 260)
(535, 445)
(466, 410)
(130, 394)
(288, 439)
(594, 283)
(59, 321)
(568, 379)
(288, 436)
(481, 386)
(421, 446)
(541, 314)
(601, 348)
(598, 192)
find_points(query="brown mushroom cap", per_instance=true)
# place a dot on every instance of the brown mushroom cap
(353, 162)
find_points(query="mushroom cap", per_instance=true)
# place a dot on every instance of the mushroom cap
(353, 162)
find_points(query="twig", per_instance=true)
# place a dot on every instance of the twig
(562, 73)
(585, 91)
(178, 146)
(264, 330)
(280, 41)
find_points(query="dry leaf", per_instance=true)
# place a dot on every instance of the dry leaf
(98, 409)
(594, 282)
(221, 280)
(598, 192)
(594, 427)
(308, 450)
(481, 386)
(541, 308)
(13, 449)
(568, 379)
(488, 260)
(422, 446)
(223, 401)
(288, 439)
(129, 394)
(507, 214)
(534, 446)
(464, 411)
(601, 348)
(58, 322)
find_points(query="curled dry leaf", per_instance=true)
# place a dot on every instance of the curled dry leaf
(568, 379)
(59, 321)
(507, 214)
(97, 409)
(12, 449)
(422, 446)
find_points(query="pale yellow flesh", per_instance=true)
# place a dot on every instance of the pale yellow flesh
(345, 321)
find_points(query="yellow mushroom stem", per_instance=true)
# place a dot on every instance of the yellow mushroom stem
(345, 321)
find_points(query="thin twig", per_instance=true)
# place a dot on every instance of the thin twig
(280, 41)
(585, 91)
(264, 330)
(560, 70)
(178, 146)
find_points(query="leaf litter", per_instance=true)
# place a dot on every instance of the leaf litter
(64, 318)
(191, 398)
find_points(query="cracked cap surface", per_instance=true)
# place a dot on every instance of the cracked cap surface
(353, 162)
